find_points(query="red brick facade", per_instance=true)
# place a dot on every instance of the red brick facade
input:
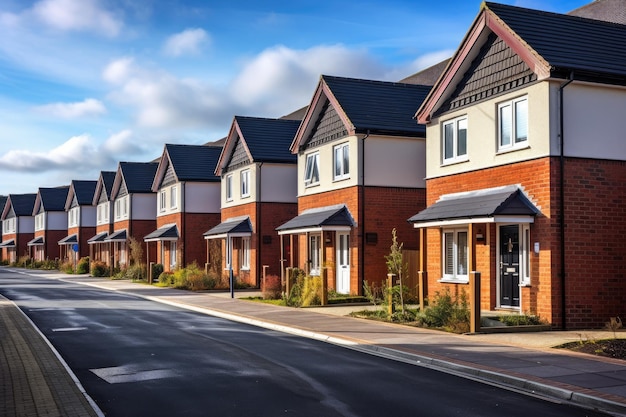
(264, 242)
(384, 208)
(21, 247)
(595, 191)
(50, 248)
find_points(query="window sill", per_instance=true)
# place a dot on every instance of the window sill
(338, 179)
(454, 161)
(317, 184)
(453, 281)
(512, 149)
(525, 285)
(245, 268)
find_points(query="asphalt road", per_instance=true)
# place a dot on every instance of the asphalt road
(140, 358)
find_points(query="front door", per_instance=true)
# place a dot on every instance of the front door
(509, 266)
(343, 263)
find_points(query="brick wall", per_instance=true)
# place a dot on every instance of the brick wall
(385, 208)
(595, 194)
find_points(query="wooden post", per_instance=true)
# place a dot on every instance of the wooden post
(323, 271)
(282, 262)
(475, 301)
(391, 308)
(422, 275)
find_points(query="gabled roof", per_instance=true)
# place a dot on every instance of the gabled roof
(328, 218)
(22, 205)
(136, 176)
(366, 106)
(607, 10)
(38, 241)
(69, 240)
(52, 199)
(552, 45)
(118, 236)
(483, 205)
(189, 162)
(98, 238)
(105, 184)
(83, 190)
(264, 139)
(3, 201)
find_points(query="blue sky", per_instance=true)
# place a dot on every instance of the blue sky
(85, 84)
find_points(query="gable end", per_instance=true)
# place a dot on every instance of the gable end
(238, 158)
(123, 190)
(74, 202)
(170, 176)
(497, 69)
(103, 196)
(327, 128)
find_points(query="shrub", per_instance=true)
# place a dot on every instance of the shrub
(157, 270)
(166, 278)
(272, 287)
(99, 269)
(67, 267)
(311, 292)
(135, 272)
(448, 313)
(50, 264)
(82, 267)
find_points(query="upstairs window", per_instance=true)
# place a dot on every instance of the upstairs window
(311, 169)
(162, 200)
(73, 218)
(342, 161)
(245, 183)
(40, 221)
(229, 187)
(455, 140)
(174, 197)
(513, 123)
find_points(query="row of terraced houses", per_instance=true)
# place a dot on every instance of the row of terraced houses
(508, 160)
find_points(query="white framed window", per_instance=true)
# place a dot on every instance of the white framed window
(245, 183)
(174, 197)
(103, 213)
(40, 221)
(121, 208)
(341, 161)
(162, 200)
(73, 217)
(229, 187)
(8, 226)
(118, 209)
(125, 201)
(315, 254)
(173, 255)
(525, 255)
(454, 140)
(311, 169)
(245, 253)
(455, 262)
(513, 124)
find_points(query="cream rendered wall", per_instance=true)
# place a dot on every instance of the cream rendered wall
(326, 167)
(56, 220)
(482, 133)
(395, 162)
(279, 183)
(237, 198)
(143, 206)
(594, 121)
(87, 216)
(202, 197)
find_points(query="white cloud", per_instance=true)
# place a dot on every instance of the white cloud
(420, 63)
(88, 107)
(121, 143)
(189, 41)
(77, 15)
(119, 70)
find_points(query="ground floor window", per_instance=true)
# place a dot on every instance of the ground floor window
(314, 254)
(245, 253)
(455, 262)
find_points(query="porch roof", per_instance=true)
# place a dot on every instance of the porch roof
(317, 219)
(118, 236)
(36, 241)
(234, 227)
(493, 205)
(8, 244)
(69, 240)
(167, 232)
(99, 238)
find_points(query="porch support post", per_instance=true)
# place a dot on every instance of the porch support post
(282, 262)
(324, 272)
(474, 278)
(422, 276)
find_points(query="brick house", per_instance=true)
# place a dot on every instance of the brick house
(360, 170)
(18, 226)
(99, 250)
(81, 220)
(50, 223)
(188, 204)
(526, 167)
(259, 193)
(134, 209)
(3, 201)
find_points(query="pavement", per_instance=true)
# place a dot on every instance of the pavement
(35, 381)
